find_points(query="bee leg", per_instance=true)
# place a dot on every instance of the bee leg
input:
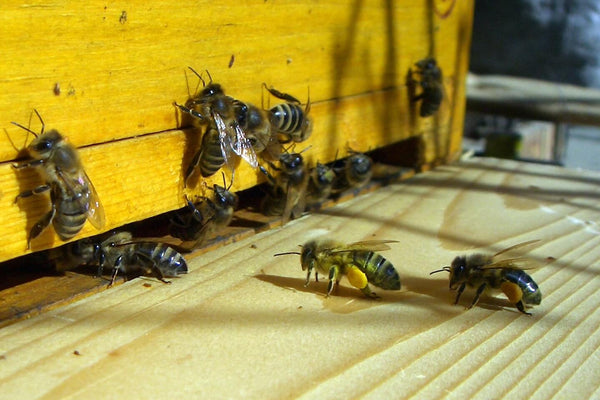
(480, 290)
(33, 192)
(334, 278)
(33, 163)
(270, 178)
(521, 307)
(39, 226)
(116, 269)
(143, 260)
(192, 167)
(310, 268)
(460, 290)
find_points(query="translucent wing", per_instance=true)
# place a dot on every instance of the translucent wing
(520, 248)
(517, 262)
(513, 257)
(367, 245)
(89, 201)
(295, 201)
(224, 140)
(95, 211)
(243, 147)
(233, 138)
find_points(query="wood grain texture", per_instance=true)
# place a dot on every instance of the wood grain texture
(105, 75)
(242, 317)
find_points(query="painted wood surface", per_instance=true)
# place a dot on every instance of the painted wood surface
(106, 75)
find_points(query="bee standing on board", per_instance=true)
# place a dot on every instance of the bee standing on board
(219, 112)
(289, 119)
(121, 253)
(358, 261)
(72, 195)
(432, 92)
(320, 183)
(287, 192)
(499, 271)
(353, 172)
(204, 218)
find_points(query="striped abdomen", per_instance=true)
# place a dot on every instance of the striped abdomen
(71, 210)
(211, 156)
(165, 258)
(531, 292)
(379, 271)
(289, 119)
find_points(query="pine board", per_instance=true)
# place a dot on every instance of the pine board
(120, 65)
(241, 323)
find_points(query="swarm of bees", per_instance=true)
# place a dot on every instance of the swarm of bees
(231, 130)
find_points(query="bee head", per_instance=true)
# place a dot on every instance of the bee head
(360, 164)
(44, 145)
(291, 161)
(458, 271)
(224, 197)
(307, 257)
(212, 90)
(325, 174)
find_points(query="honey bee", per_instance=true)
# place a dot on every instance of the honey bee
(320, 183)
(204, 218)
(499, 271)
(287, 192)
(353, 172)
(358, 261)
(123, 254)
(72, 195)
(220, 113)
(431, 86)
(290, 120)
(257, 126)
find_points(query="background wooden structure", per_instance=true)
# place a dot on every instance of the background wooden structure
(241, 323)
(106, 74)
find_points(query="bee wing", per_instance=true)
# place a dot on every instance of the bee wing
(518, 249)
(370, 245)
(243, 147)
(234, 138)
(95, 211)
(91, 203)
(295, 201)
(517, 262)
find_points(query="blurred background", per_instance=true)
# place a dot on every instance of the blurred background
(557, 41)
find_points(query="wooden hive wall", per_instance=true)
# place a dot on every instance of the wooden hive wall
(105, 74)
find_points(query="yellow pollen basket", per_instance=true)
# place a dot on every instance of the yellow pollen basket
(357, 278)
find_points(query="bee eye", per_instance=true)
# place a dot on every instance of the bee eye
(43, 145)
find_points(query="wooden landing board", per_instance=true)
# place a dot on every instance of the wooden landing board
(241, 324)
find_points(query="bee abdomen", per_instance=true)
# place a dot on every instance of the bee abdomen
(70, 216)
(211, 159)
(531, 292)
(379, 270)
(432, 100)
(288, 118)
(167, 259)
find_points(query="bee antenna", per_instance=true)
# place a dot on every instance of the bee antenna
(287, 253)
(306, 148)
(199, 77)
(209, 77)
(447, 269)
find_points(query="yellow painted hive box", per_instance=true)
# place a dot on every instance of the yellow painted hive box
(106, 75)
